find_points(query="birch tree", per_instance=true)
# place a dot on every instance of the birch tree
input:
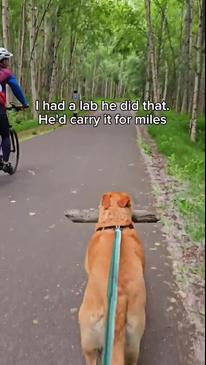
(53, 52)
(5, 23)
(31, 29)
(152, 51)
(22, 32)
(148, 78)
(187, 56)
(193, 122)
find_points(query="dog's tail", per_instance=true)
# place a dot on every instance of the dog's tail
(120, 331)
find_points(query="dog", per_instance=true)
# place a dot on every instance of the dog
(114, 210)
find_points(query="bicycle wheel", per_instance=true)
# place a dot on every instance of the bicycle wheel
(14, 155)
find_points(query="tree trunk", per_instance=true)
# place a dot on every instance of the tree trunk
(55, 45)
(74, 73)
(116, 90)
(93, 80)
(40, 82)
(63, 68)
(45, 83)
(111, 89)
(177, 99)
(179, 63)
(31, 28)
(21, 42)
(193, 123)
(187, 57)
(73, 45)
(161, 36)
(190, 72)
(165, 28)
(52, 89)
(148, 79)
(164, 97)
(96, 87)
(152, 51)
(84, 86)
(124, 91)
(202, 88)
(119, 90)
(5, 23)
(73, 40)
(106, 88)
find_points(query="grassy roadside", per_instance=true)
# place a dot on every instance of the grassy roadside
(185, 161)
(180, 189)
(27, 128)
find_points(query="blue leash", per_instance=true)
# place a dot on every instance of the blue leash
(112, 297)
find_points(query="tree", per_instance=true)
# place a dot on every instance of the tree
(31, 28)
(141, 49)
(152, 52)
(199, 45)
(187, 56)
(21, 42)
(5, 23)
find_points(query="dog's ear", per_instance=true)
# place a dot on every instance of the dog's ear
(106, 200)
(124, 202)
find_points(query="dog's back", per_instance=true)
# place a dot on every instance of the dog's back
(130, 313)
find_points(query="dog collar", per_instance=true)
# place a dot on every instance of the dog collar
(114, 227)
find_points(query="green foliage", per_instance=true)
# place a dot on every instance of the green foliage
(22, 121)
(108, 36)
(185, 161)
(146, 148)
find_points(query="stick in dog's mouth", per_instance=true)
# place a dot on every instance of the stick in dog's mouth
(91, 216)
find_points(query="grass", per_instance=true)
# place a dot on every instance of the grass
(185, 161)
(146, 148)
(23, 122)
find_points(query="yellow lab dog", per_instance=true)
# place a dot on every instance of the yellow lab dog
(115, 210)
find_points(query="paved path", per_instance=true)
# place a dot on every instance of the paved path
(41, 253)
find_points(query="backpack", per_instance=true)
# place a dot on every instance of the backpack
(5, 73)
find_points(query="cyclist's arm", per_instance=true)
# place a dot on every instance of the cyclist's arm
(16, 89)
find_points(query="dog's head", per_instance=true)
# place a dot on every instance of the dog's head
(115, 209)
(115, 200)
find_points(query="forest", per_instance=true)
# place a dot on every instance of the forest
(112, 51)
(151, 50)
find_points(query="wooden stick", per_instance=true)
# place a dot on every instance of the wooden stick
(91, 216)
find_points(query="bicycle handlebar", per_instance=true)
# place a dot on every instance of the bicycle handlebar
(17, 108)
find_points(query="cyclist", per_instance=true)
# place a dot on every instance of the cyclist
(7, 77)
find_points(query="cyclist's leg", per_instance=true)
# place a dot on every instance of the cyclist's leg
(4, 132)
(1, 154)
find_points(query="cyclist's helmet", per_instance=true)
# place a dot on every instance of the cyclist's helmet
(4, 53)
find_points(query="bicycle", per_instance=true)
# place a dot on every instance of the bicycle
(14, 153)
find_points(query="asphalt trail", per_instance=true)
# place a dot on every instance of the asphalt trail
(41, 253)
